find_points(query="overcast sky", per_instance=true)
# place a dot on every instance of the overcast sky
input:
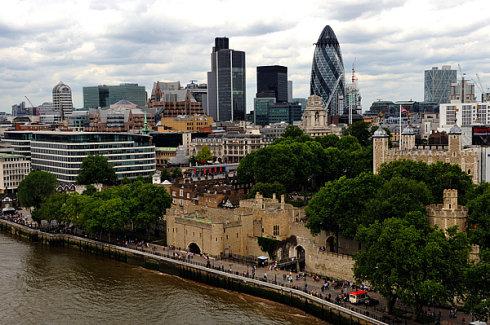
(108, 42)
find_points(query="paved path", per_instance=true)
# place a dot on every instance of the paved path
(307, 282)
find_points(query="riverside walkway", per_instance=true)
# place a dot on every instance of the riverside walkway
(308, 287)
(305, 283)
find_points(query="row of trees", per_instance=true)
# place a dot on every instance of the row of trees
(300, 163)
(135, 208)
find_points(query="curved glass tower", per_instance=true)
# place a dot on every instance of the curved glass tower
(327, 72)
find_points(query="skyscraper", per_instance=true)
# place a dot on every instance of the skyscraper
(327, 72)
(62, 101)
(272, 81)
(226, 83)
(437, 84)
(105, 96)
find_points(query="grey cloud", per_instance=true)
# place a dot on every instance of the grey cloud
(351, 11)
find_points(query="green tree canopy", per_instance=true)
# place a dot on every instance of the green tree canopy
(361, 131)
(398, 197)
(36, 188)
(477, 282)
(402, 262)
(437, 176)
(339, 205)
(479, 216)
(204, 155)
(96, 169)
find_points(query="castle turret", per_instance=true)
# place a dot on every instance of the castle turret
(407, 139)
(454, 141)
(380, 148)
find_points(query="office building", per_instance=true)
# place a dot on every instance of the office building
(186, 123)
(226, 83)
(21, 110)
(104, 96)
(437, 84)
(13, 169)
(62, 153)
(62, 101)
(463, 114)
(327, 73)
(272, 81)
(301, 101)
(267, 111)
(290, 91)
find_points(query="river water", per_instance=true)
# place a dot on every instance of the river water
(49, 285)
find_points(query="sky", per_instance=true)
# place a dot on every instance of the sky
(86, 43)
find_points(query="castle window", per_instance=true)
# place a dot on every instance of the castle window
(469, 171)
(275, 231)
(226, 236)
(449, 205)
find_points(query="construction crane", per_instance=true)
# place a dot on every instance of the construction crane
(32, 106)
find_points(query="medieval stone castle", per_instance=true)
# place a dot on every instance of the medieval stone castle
(466, 158)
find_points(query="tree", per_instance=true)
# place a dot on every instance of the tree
(339, 205)
(477, 282)
(96, 169)
(361, 131)
(479, 216)
(51, 208)
(402, 262)
(293, 132)
(35, 188)
(437, 176)
(204, 155)
(396, 198)
(90, 190)
(267, 189)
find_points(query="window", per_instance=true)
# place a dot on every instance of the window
(275, 231)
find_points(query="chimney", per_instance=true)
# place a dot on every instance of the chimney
(283, 202)
(274, 199)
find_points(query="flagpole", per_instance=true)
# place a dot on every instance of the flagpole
(400, 134)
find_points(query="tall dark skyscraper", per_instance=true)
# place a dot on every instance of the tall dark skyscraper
(327, 72)
(226, 83)
(272, 81)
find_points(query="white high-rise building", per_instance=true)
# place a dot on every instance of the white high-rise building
(62, 101)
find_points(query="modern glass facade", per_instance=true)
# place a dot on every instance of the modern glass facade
(267, 111)
(437, 84)
(104, 96)
(272, 81)
(226, 83)
(62, 153)
(327, 72)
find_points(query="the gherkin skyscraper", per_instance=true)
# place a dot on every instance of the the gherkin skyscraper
(327, 72)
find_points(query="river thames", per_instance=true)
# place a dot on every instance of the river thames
(48, 285)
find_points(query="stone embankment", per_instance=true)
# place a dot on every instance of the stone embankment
(187, 269)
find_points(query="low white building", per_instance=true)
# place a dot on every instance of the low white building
(13, 169)
(463, 114)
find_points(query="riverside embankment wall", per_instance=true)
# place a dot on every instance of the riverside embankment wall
(295, 298)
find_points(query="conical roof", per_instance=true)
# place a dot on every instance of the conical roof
(327, 37)
(455, 129)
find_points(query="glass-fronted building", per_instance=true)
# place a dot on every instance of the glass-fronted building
(272, 81)
(104, 96)
(327, 72)
(437, 84)
(62, 153)
(226, 100)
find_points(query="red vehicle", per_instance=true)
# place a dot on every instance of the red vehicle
(357, 297)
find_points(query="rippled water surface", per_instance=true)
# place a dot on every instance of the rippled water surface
(46, 285)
